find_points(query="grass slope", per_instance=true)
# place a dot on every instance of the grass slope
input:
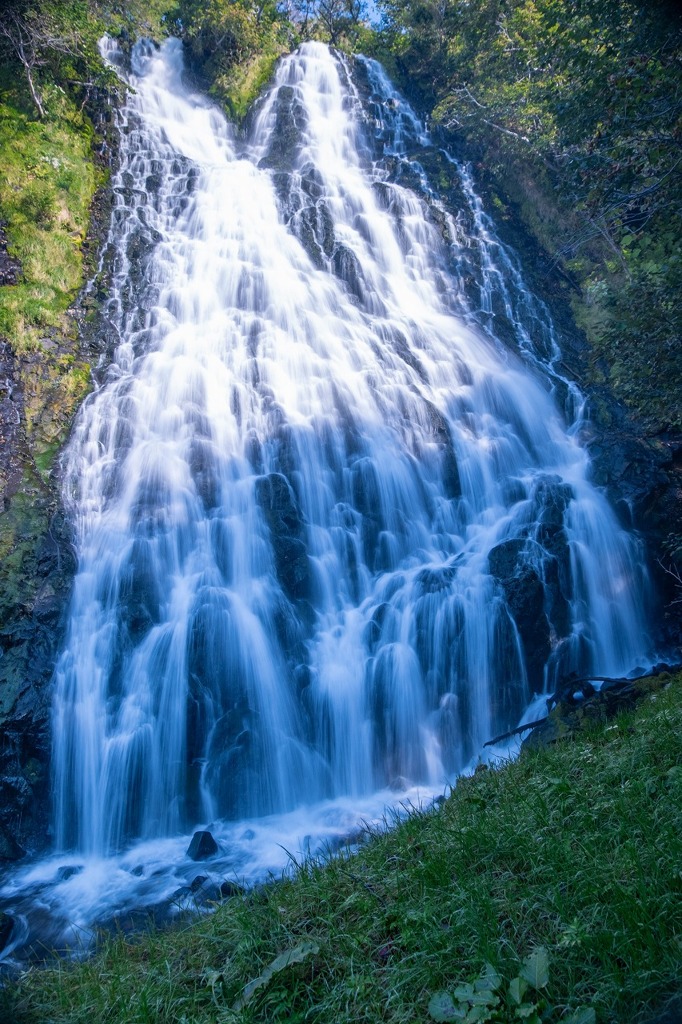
(575, 851)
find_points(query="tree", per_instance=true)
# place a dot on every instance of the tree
(339, 17)
(223, 33)
(33, 36)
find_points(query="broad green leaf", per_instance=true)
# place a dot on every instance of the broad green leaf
(488, 979)
(484, 998)
(584, 1015)
(464, 992)
(442, 1008)
(517, 989)
(291, 956)
(478, 1015)
(533, 1017)
(535, 968)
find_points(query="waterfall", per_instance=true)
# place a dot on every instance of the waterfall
(333, 533)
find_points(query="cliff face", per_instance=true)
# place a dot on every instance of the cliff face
(46, 355)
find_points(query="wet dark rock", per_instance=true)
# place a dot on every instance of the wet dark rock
(643, 479)
(202, 847)
(372, 633)
(139, 247)
(182, 895)
(396, 340)
(367, 501)
(15, 788)
(525, 596)
(234, 767)
(312, 182)
(206, 892)
(285, 522)
(286, 138)
(30, 632)
(503, 559)
(399, 784)
(346, 266)
(68, 871)
(10, 850)
(314, 228)
(279, 505)
(436, 580)
(139, 598)
(551, 498)
(228, 890)
(153, 183)
(197, 882)
(384, 193)
(557, 605)
(47, 607)
(510, 695)
(253, 451)
(440, 431)
(202, 466)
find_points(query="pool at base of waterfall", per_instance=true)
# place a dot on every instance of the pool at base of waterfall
(60, 905)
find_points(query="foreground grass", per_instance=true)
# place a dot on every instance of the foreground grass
(576, 849)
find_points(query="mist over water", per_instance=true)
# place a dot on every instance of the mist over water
(333, 534)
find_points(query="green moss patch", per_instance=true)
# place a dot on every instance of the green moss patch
(46, 188)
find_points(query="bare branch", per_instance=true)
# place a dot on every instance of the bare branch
(465, 89)
(31, 38)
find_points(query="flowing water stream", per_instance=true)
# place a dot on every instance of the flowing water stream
(333, 533)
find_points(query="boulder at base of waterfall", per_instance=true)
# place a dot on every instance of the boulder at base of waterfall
(205, 892)
(68, 871)
(230, 889)
(202, 847)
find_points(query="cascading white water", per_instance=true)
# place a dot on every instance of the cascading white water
(332, 536)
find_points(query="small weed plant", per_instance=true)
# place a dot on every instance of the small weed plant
(490, 998)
